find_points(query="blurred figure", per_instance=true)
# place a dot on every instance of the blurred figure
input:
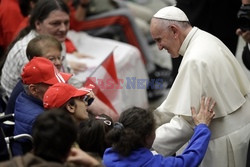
(244, 30)
(9, 9)
(92, 135)
(53, 134)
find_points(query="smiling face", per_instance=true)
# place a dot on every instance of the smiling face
(54, 55)
(56, 24)
(165, 36)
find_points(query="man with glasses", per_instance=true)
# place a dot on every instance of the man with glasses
(73, 100)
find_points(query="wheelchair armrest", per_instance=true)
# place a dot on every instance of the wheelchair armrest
(17, 137)
(10, 140)
(8, 117)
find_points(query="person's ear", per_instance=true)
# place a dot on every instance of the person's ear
(174, 30)
(33, 89)
(38, 25)
(70, 108)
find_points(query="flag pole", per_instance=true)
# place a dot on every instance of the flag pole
(103, 61)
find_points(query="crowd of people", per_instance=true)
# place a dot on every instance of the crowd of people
(204, 120)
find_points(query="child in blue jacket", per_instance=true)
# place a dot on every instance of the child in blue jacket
(134, 134)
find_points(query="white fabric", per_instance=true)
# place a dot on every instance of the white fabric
(171, 13)
(209, 69)
(166, 141)
(127, 60)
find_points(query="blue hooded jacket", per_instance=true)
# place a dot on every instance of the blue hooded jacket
(143, 157)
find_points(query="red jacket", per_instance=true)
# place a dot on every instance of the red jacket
(10, 18)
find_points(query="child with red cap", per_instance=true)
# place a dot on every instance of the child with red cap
(73, 100)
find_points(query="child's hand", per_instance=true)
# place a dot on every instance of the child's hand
(206, 113)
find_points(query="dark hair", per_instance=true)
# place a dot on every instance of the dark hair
(92, 134)
(53, 134)
(134, 125)
(36, 45)
(25, 7)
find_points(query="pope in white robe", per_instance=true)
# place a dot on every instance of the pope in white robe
(208, 68)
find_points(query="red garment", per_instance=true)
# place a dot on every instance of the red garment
(22, 25)
(70, 47)
(10, 18)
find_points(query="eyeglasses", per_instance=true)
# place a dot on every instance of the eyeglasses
(89, 100)
(105, 120)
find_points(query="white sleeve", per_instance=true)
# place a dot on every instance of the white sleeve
(170, 137)
(162, 117)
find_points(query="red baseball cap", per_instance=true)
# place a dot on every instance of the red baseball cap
(59, 93)
(42, 70)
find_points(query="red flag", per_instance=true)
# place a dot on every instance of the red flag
(106, 83)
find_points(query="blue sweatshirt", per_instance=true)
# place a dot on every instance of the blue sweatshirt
(143, 157)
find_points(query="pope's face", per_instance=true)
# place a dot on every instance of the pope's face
(56, 24)
(164, 37)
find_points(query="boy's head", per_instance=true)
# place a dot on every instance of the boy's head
(45, 46)
(53, 135)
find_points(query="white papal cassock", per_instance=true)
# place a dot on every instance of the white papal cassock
(208, 68)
